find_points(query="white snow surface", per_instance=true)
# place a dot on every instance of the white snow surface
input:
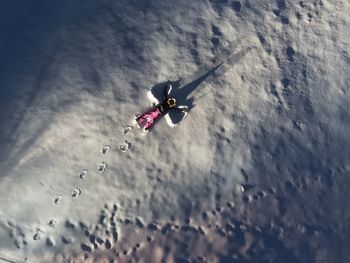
(74, 74)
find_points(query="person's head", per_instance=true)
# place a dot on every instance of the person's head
(171, 102)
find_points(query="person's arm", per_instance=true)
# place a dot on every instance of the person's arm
(167, 91)
(154, 100)
(182, 109)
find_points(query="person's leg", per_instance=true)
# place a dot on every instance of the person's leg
(142, 117)
(146, 120)
(149, 118)
(149, 121)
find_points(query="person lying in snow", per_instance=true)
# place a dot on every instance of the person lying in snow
(148, 119)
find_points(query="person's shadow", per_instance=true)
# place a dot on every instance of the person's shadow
(183, 88)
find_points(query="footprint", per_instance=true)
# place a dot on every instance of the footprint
(128, 129)
(137, 245)
(187, 228)
(285, 82)
(229, 204)
(58, 199)
(52, 222)
(108, 244)
(102, 167)
(284, 20)
(220, 231)
(261, 194)
(216, 35)
(125, 146)
(83, 174)
(230, 228)
(67, 240)
(114, 234)
(271, 191)
(219, 209)
(247, 198)
(99, 240)
(246, 187)
(216, 31)
(105, 149)
(139, 222)
(290, 187)
(17, 244)
(92, 239)
(165, 229)
(76, 192)
(215, 41)
(86, 248)
(236, 5)
(261, 38)
(102, 219)
(290, 53)
(50, 242)
(297, 125)
(37, 235)
(153, 227)
(127, 221)
(70, 224)
(201, 231)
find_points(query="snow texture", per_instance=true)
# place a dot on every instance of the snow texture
(258, 171)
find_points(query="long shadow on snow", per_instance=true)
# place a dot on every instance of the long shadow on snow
(183, 88)
(37, 47)
(15, 108)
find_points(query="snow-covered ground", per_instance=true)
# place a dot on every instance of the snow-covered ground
(259, 171)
